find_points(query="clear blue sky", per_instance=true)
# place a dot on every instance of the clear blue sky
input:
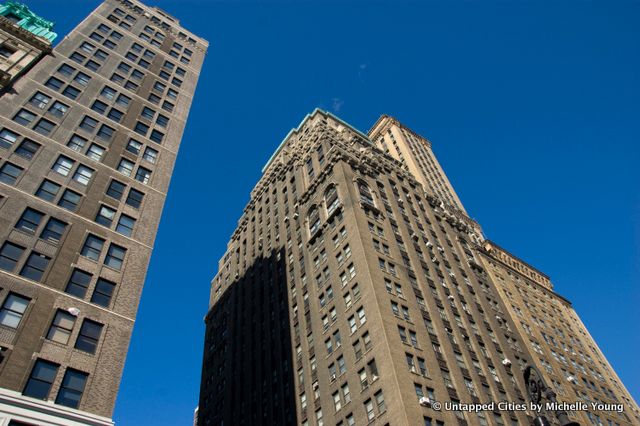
(533, 108)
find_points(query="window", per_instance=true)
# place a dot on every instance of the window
(89, 336)
(115, 256)
(150, 155)
(143, 175)
(41, 379)
(29, 221)
(59, 109)
(147, 113)
(123, 100)
(66, 70)
(105, 216)
(108, 93)
(95, 152)
(92, 65)
(83, 175)
(71, 92)
(63, 165)
(116, 189)
(61, 327)
(134, 199)
(40, 100)
(92, 247)
(24, 117)
(162, 120)
(82, 79)
(314, 220)
(141, 128)
(365, 193)
(69, 200)
(78, 283)
(71, 388)
(105, 132)
(115, 115)
(48, 190)
(35, 266)
(156, 136)
(7, 138)
(53, 230)
(44, 126)
(125, 167)
(9, 173)
(89, 124)
(76, 143)
(54, 84)
(99, 107)
(27, 149)
(13, 310)
(125, 225)
(103, 292)
(331, 199)
(134, 146)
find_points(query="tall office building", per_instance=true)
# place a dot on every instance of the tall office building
(356, 290)
(89, 133)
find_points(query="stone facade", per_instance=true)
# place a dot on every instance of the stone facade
(88, 141)
(356, 290)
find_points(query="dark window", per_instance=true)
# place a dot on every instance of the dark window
(117, 78)
(105, 216)
(103, 292)
(148, 113)
(99, 107)
(162, 120)
(134, 146)
(164, 75)
(154, 99)
(173, 94)
(176, 82)
(131, 86)
(44, 127)
(156, 136)
(10, 255)
(89, 336)
(41, 379)
(13, 310)
(72, 388)
(7, 138)
(116, 189)
(167, 106)
(55, 83)
(125, 225)
(141, 128)
(134, 199)
(101, 54)
(92, 65)
(105, 132)
(76, 57)
(7, 51)
(35, 266)
(115, 256)
(27, 149)
(124, 67)
(69, 200)
(143, 63)
(71, 92)
(67, 70)
(29, 221)
(143, 175)
(40, 100)
(108, 92)
(138, 75)
(103, 28)
(109, 44)
(123, 100)
(24, 117)
(53, 231)
(89, 124)
(78, 283)
(9, 173)
(115, 115)
(92, 247)
(48, 190)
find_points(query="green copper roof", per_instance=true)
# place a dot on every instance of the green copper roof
(29, 20)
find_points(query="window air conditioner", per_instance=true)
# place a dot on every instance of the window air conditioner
(425, 402)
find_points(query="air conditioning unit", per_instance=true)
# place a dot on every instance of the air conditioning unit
(374, 378)
(425, 402)
(286, 218)
(74, 311)
(429, 244)
(451, 274)
(572, 379)
(496, 379)
(499, 318)
(506, 362)
(415, 236)
(450, 297)
(333, 376)
(296, 215)
(315, 386)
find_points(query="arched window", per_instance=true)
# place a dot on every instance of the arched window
(331, 199)
(366, 196)
(314, 220)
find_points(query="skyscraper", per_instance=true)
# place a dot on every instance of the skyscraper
(356, 290)
(89, 133)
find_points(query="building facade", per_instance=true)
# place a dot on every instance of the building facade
(89, 133)
(356, 290)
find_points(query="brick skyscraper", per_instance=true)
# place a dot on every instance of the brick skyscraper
(356, 290)
(89, 134)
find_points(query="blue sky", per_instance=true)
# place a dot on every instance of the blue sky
(533, 108)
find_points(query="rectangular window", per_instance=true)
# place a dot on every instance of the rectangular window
(95, 152)
(27, 149)
(77, 143)
(53, 231)
(13, 310)
(44, 126)
(35, 266)
(92, 247)
(54, 84)
(83, 175)
(143, 175)
(134, 199)
(89, 336)
(134, 146)
(48, 190)
(71, 389)
(115, 256)
(150, 155)
(71, 92)
(105, 216)
(9, 173)
(116, 189)
(29, 221)
(103, 292)
(7, 138)
(40, 100)
(63, 165)
(61, 327)
(24, 117)
(105, 132)
(125, 225)
(89, 124)
(41, 379)
(69, 200)
(125, 167)
(78, 283)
